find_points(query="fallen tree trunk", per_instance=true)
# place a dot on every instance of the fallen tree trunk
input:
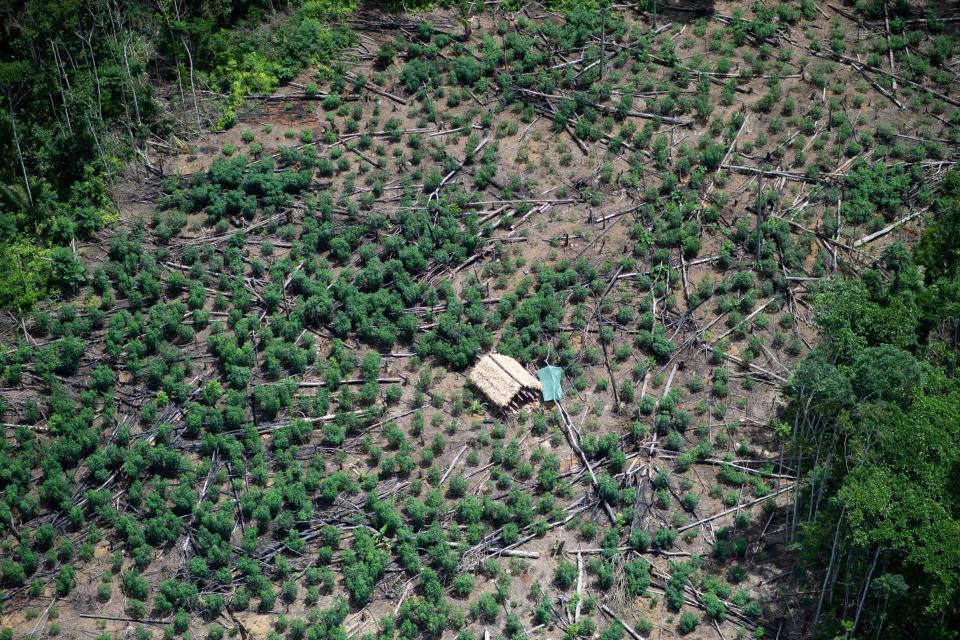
(574, 444)
(306, 383)
(736, 508)
(887, 229)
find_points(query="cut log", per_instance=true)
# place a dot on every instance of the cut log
(726, 512)
(887, 229)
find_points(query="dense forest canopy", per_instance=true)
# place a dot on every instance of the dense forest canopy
(876, 407)
(248, 251)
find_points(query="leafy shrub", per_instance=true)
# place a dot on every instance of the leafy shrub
(462, 585)
(363, 565)
(565, 575)
(687, 623)
(637, 575)
(485, 608)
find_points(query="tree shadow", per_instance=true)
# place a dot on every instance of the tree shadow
(683, 10)
(767, 556)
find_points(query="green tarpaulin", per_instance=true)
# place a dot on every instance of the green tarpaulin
(550, 379)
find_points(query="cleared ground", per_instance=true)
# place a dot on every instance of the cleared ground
(643, 200)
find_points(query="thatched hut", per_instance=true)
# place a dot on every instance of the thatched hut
(504, 381)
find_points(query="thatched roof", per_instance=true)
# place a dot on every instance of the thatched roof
(503, 380)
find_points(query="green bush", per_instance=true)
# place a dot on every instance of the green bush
(637, 576)
(462, 585)
(485, 608)
(565, 575)
(687, 623)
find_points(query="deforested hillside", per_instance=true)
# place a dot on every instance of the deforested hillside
(251, 255)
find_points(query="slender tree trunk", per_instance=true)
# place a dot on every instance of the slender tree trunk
(73, 63)
(96, 141)
(866, 589)
(603, 38)
(816, 463)
(128, 85)
(826, 578)
(797, 426)
(760, 210)
(16, 141)
(846, 586)
(183, 97)
(23, 278)
(133, 86)
(63, 95)
(123, 87)
(881, 615)
(96, 73)
(193, 86)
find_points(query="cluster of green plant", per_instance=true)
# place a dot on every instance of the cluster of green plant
(369, 300)
(883, 189)
(908, 31)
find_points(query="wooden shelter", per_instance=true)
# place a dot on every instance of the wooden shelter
(504, 381)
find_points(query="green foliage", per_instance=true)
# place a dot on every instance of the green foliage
(363, 565)
(485, 608)
(135, 586)
(876, 188)
(714, 607)
(564, 575)
(939, 248)
(687, 623)
(66, 272)
(466, 70)
(637, 576)
(878, 379)
(24, 271)
(463, 585)
(417, 73)
(66, 579)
